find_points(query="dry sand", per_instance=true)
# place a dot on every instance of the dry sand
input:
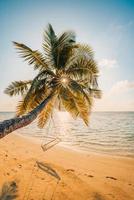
(63, 174)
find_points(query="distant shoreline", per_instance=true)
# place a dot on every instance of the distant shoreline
(92, 111)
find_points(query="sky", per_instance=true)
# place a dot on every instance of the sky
(108, 26)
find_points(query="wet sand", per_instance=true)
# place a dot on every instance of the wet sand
(63, 174)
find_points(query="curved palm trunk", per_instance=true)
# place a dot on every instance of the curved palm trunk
(8, 126)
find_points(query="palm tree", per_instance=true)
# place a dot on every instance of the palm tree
(66, 79)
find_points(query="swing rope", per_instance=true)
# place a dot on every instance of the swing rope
(30, 185)
(45, 147)
(53, 142)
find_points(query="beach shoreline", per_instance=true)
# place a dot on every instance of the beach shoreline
(39, 141)
(66, 174)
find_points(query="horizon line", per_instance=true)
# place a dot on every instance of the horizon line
(92, 111)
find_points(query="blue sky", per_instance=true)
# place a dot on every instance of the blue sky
(108, 26)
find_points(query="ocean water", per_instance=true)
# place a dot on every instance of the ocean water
(108, 132)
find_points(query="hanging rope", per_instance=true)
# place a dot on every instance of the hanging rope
(53, 142)
(54, 191)
(30, 185)
(37, 165)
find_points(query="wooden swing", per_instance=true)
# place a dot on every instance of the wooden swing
(50, 144)
(54, 140)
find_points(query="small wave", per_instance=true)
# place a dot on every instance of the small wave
(109, 132)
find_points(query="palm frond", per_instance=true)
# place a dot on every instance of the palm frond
(57, 49)
(50, 36)
(90, 87)
(77, 90)
(82, 105)
(81, 68)
(41, 81)
(65, 46)
(49, 45)
(46, 113)
(83, 108)
(86, 50)
(35, 99)
(93, 81)
(64, 55)
(66, 39)
(26, 105)
(96, 93)
(20, 109)
(68, 102)
(38, 96)
(82, 99)
(78, 73)
(81, 57)
(33, 57)
(17, 87)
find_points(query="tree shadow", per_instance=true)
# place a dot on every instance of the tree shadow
(9, 191)
(97, 196)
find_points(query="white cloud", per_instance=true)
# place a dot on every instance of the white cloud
(117, 99)
(122, 86)
(108, 63)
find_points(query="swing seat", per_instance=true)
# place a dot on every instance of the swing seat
(50, 144)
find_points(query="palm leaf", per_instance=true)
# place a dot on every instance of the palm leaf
(38, 96)
(83, 108)
(35, 99)
(31, 101)
(82, 68)
(20, 109)
(68, 102)
(49, 45)
(46, 113)
(86, 50)
(39, 82)
(66, 39)
(82, 105)
(17, 87)
(82, 99)
(33, 57)
(90, 87)
(77, 90)
(82, 54)
(50, 37)
(57, 49)
(64, 55)
(96, 93)
(65, 45)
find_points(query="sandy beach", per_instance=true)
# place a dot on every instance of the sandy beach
(63, 174)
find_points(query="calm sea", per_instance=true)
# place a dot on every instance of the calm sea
(108, 132)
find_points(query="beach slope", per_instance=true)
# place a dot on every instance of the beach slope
(63, 174)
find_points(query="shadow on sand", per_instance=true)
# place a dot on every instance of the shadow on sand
(9, 191)
(97, 196)
(48, 169)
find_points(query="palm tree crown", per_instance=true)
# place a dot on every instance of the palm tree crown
(66, 69)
